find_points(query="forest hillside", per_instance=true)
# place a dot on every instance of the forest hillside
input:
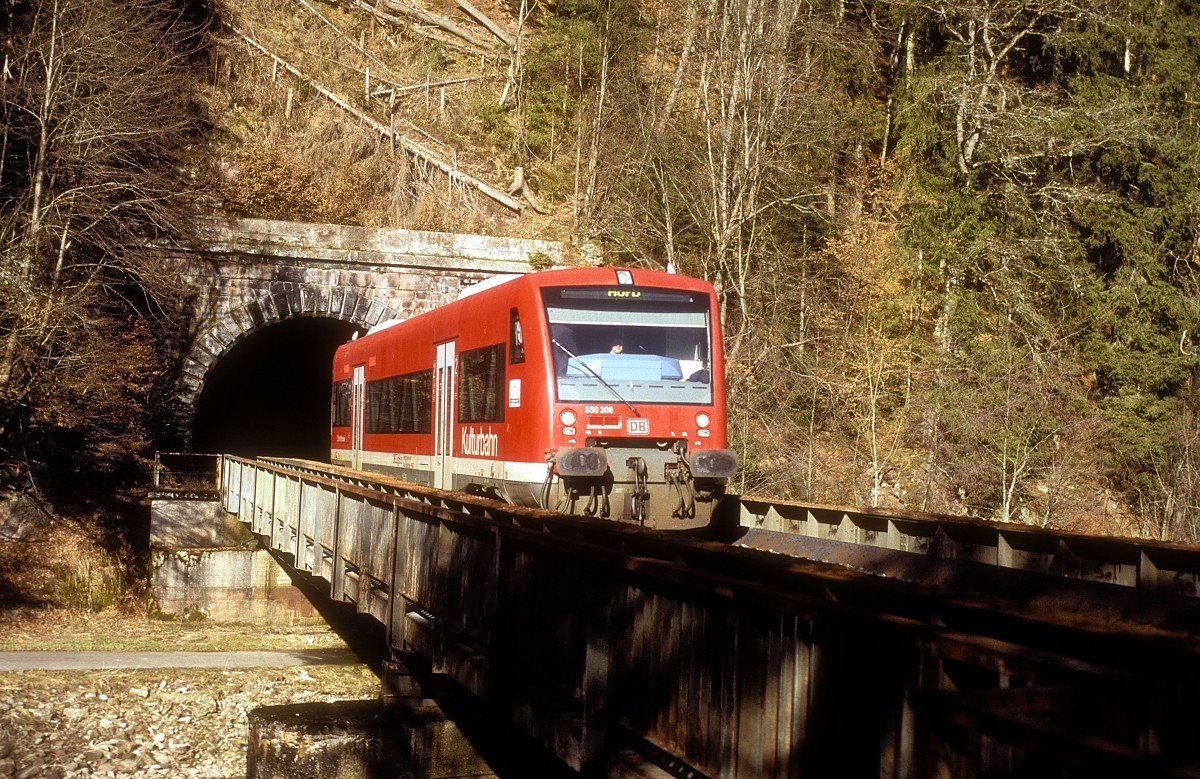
(956, 243)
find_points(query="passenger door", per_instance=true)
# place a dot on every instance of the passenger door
(358, 393)
(443, 424)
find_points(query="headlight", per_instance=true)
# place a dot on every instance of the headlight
(702, 420)
(567, 417)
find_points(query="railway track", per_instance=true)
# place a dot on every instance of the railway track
(893, 644)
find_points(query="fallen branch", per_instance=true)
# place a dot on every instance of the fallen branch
(409, 145)
(432, 35)
(494, 28)
(361, 49)
(434, 84)
(441, 22)
(520, 186)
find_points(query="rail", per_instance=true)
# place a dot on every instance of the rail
(627, 652)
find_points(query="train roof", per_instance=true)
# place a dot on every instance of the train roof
(600, 276)
(603, 276)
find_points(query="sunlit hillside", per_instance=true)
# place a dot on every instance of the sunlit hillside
(922, 220)
(337, 113)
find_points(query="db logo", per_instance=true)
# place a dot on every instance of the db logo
(637, 426)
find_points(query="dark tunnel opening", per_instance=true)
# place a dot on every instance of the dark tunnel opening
(269, 395)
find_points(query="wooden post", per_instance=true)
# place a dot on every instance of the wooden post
(392, 121)
(367, 86)
(597, 672)
(287, 113)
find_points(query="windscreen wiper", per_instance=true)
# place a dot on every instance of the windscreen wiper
(599, 378)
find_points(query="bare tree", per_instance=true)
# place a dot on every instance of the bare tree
(719, 128)
(745, 86)
(94, 114)
(1013, 419)
(986, 36)
(1170, 507)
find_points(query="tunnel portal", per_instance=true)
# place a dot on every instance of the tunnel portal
(269, 394)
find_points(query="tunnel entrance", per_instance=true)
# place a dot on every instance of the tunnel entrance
(269, 394)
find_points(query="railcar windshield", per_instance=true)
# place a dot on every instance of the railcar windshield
(645, 345)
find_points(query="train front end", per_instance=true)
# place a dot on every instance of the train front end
(637, 400)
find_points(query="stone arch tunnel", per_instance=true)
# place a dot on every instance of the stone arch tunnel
(271, 301)
(269, 393)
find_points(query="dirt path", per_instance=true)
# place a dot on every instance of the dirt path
(96, 660)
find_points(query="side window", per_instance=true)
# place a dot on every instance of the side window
(516, 338)
(400, 404)
(341, 403)
(481, 384)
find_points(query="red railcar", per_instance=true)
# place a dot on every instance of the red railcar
(596, 391)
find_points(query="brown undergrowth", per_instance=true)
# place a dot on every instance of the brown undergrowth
(62, 588)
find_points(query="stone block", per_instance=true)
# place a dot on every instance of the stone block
(362, 307)
(242, 319)
(232, 585)
(295, 304)
(196, 523)
(282, 301)
(321, 299)
(223, 333)
(203, 560)
(269, 307)
(359, 740)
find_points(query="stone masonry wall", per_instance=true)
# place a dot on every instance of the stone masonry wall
(248, 274)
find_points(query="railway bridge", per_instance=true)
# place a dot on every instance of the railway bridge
(783, 640)
(241, 278)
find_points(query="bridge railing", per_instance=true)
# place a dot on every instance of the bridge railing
(180, 472)
(1144, 564)
(614, 647)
